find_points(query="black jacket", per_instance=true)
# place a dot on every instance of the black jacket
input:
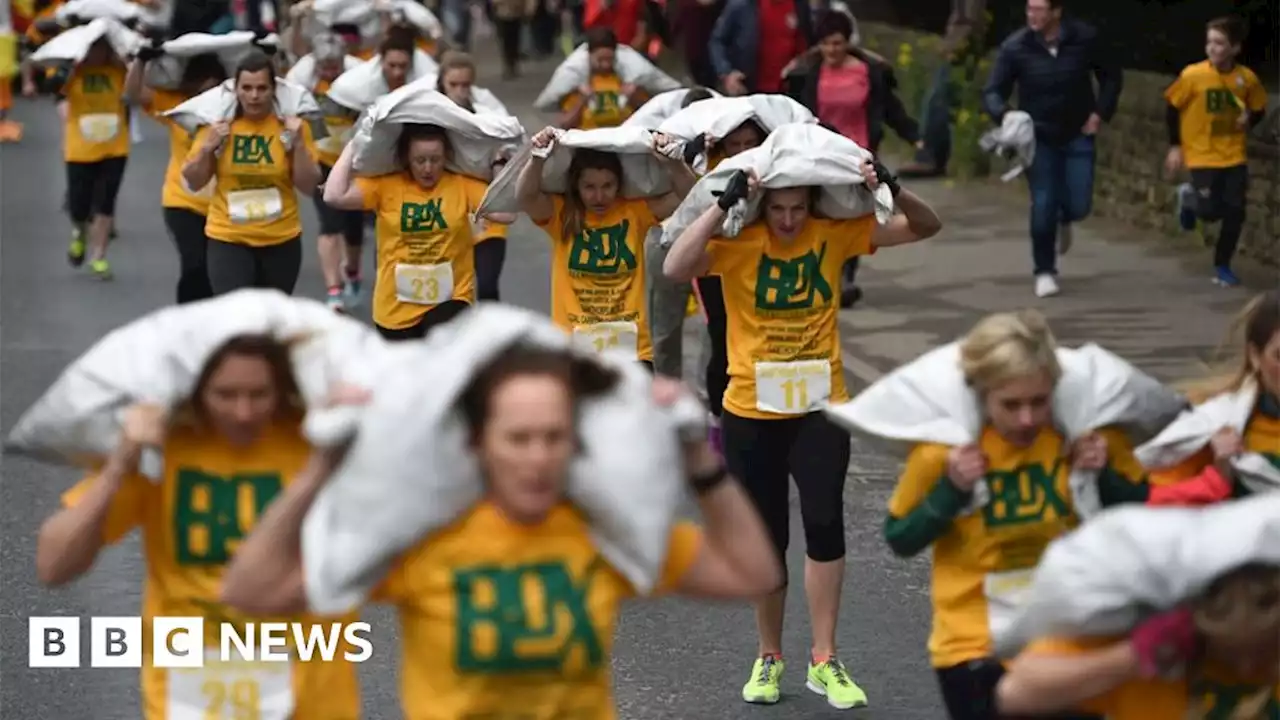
(1056, 91)
(883, 105)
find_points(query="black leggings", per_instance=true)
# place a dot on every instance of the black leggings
(233, 266)
(1223, 194)
(186, 227)
(333, 221)
(969, 692)
(711, 295)
(438, 315)
(92, 188)
(509, 41)
(490, 255)
(763, 454)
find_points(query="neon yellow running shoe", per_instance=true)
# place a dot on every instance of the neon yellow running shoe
(766, 674)
(75, 253)
(101, 269)
(831, 680)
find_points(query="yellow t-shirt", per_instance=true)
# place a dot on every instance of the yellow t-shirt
(499, 620)
(1261, 435)
(192, 521)
(97, 124)
(254, 202)
(426, 255)
(605, 108)
(783, 301)
(1217, 693)
(489, 230)
(1209, 103)
(597, 277)
(986, 557)
(340, 125)
(174, 193)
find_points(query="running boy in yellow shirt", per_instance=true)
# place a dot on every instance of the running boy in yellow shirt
(1212, 107)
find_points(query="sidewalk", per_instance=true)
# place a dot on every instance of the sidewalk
(1138, 295)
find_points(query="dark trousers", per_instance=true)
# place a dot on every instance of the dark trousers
(233, 267)
(1222, 194)
(489, 257)
(969, 692)
(436, 316)
(186, 227)
(1061, 180)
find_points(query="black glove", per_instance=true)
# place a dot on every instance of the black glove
(150, 51)
(132, 23)
(734, 190)
(694, 148)
(260, 42)
(70, 21)
(886, 178)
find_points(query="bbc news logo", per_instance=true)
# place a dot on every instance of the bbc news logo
(179, 642)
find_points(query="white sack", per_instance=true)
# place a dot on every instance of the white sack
(358, 88)
(632, 68)
(643, 175)
(476, 138)
(483, 100)
(74, 44)
(660, 107)
(418, 17)
(303, 72)
(344, 12)
(166, 71)
(792, 156)
(121, 10)
(1014, 139)
(1132, 561)
(720, 116)
(927, 401)
(219, 104)
(158, 359)
(1192, 430)
(410, 470)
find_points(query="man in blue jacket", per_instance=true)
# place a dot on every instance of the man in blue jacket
(1053, 62)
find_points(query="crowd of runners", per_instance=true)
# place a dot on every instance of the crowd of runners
(662, 201)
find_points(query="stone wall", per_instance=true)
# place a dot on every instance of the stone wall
(1131, 185)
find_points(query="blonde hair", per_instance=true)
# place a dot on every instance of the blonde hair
(453, 60)
(1007, 346)
(1254, 326)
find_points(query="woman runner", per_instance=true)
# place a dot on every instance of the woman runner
(185, 211)
(228, 451)
(597, 263)
(426, 261)
(784, 366)
(257, 159)
(520, 414)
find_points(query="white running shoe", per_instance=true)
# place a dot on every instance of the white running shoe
(1046, 286)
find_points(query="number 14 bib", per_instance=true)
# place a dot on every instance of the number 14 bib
(231, 690)
(792, 388)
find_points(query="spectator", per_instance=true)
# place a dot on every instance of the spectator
(1053, 63)
(695, 21)
(851, 92)
(755, 40)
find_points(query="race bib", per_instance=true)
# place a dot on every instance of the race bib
(231, 691)
(609, 337)
(792, 388)
(1006, 593)
(255, 206)
(424, 284)
(99, 127)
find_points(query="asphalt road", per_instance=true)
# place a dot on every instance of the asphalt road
(673, 659)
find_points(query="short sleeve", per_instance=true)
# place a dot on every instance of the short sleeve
(729, 255)
(1179, 93)
(397, 585)
(475, 190)
(370, 191)
(643, 214)
(569, 101)
(1255, 97)
(855, 235)
(925, 467)
(683, 546)
(309, 140)
(197, 142)
(1120, 457)
(161, 102)
(1105, 704)
(127, 507)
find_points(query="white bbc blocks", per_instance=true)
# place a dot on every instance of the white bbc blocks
(115, 642)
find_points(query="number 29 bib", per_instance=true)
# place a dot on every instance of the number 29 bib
(231, 691)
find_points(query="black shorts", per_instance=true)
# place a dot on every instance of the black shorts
(438, 315)
(92, 188)
(347, 223)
